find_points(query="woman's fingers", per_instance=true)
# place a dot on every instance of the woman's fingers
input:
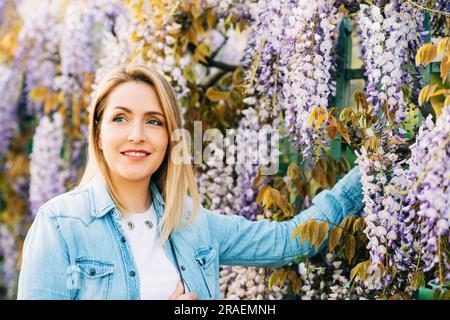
(178, 291)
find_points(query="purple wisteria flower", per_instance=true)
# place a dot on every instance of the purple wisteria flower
(306, 62)
(10, 88)
(39, 41)
(429, 175)
(46, 173)
(8, 253)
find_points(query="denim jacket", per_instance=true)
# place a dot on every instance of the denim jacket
(76, 248)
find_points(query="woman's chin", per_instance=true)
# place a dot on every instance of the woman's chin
(135, 176)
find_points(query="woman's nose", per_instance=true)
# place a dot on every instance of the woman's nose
(137, 133)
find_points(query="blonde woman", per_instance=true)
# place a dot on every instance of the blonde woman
(134, 228)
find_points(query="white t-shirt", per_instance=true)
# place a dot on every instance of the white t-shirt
(158, 277)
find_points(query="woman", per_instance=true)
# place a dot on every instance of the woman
(134, 228)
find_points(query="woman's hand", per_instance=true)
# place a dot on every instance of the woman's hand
(179, 294)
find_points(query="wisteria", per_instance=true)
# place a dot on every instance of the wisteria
(247, 283)
(8, 253)
(47, 176)
(155, 43)
(306, 81)
(10, 87)
(429, 175)
(387, 34)
(262, 56)
(39, 41)
(329, 281)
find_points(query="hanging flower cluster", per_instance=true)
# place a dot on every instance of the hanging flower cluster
(47, 178)
(307, 60)
(154, 37)
(8, 250)
(429, 175)
(39, 41)
(10, 87)
(387, 34)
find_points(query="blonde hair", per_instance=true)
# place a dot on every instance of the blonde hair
(174, 180)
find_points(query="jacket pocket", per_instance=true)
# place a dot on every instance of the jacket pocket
(205, 259)
(95, 279)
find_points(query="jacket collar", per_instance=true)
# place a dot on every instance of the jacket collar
(102, 202)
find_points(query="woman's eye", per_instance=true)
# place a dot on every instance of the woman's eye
(154, 121)
(119, 119)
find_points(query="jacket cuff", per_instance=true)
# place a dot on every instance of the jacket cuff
(348, 190)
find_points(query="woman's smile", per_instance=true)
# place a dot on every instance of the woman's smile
(136, 154)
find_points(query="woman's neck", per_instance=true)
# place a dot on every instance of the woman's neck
(134, 195)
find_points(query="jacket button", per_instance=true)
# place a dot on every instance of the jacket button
(92, 272)
(132, 273)
(183, 268)
(124, 239)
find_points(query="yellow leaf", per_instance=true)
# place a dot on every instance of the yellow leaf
(335, 236)
(437, 103)
(359, 225)
(214, 94)
(355, 271)
(298, 230)
(439, 90)
(275, 195)
(347, 222)
(442, 46)
(360, 270)
(322, 233)
(313, 231)
(419, 55)
(344, 133)
(313, 116)
(319, 121)
(273, 279)
(283, 278)
(211, 19)
(349, 247)
(423, 94)
(267, 200)
(447, 102)
(372, 143)
(38, 94)
(259, 197)
(445, 67)
(305, 233)
(429, 53)
(293, 171)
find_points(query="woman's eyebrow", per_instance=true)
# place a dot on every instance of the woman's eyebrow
(145, 114)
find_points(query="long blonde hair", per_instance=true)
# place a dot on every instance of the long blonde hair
(174, 180)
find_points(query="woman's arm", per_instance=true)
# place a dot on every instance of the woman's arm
(268, 243)
(43, 273)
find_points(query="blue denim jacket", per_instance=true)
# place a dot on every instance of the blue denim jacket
(76, 249)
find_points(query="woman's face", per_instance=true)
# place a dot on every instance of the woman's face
(133, 133)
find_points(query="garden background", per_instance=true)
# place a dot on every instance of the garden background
(345, 82)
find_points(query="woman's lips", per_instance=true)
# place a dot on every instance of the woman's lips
(135, 155)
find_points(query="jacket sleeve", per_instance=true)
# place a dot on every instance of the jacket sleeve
(45, 261)
(268, 243)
